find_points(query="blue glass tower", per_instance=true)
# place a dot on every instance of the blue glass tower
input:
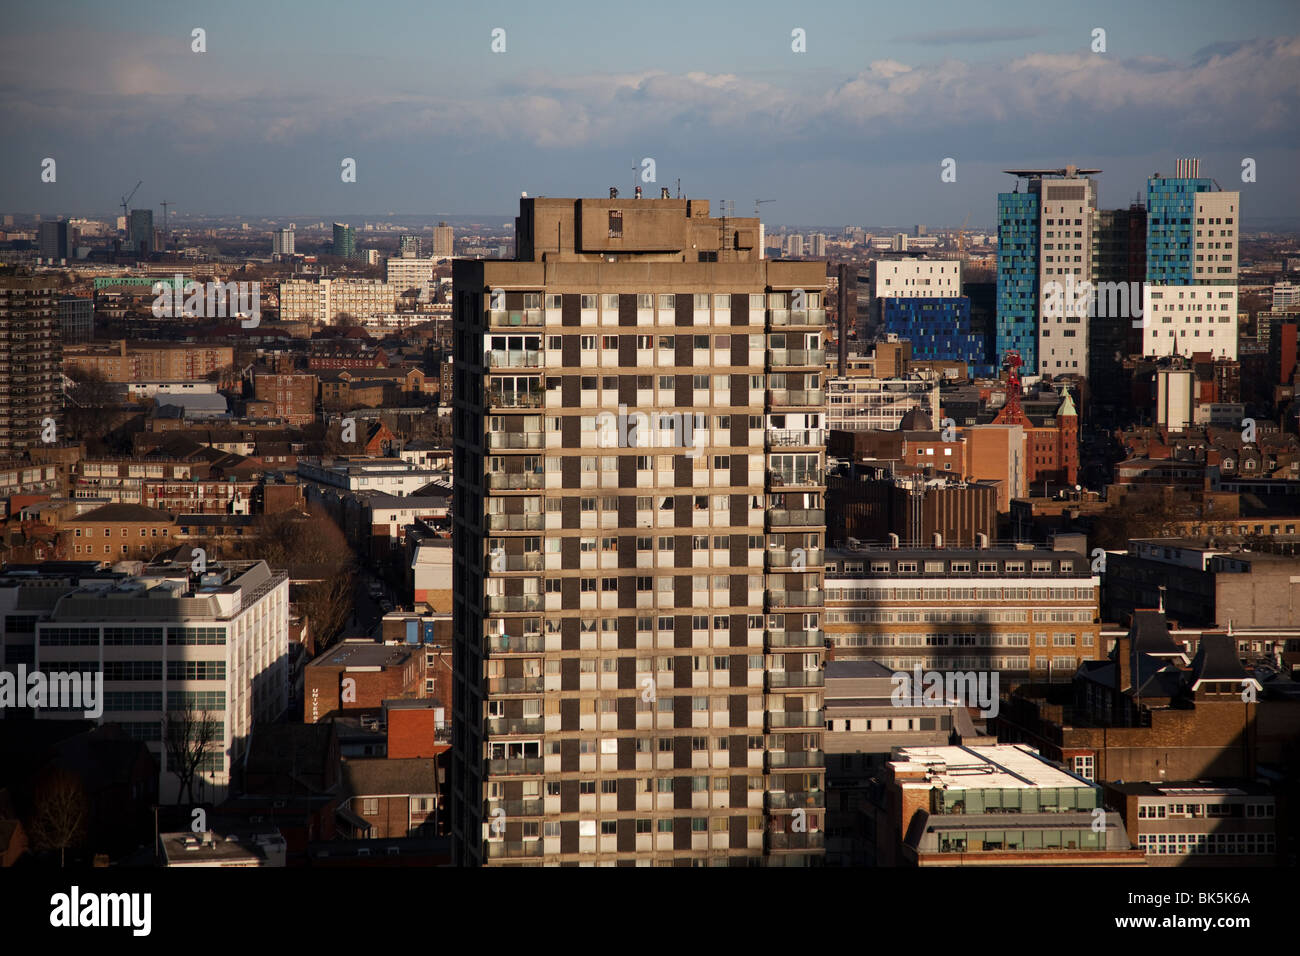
(1018, 277)
(1171, 211)
(938, 329)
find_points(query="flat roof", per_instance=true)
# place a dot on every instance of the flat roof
(363, 654)
(999, 767)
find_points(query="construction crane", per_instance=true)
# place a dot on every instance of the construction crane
(759, 202)
(126, 199)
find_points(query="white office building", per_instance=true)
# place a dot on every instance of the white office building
(916, 278)
(1185, 319)
(177, 649)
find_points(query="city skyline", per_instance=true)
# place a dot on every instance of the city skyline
(726, 106)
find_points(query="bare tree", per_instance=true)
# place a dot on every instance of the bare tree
(189, 736)
(59, 821)
(314, 550)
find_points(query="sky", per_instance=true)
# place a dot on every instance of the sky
(853, 130)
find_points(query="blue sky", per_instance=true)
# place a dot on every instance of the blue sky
(852, 131)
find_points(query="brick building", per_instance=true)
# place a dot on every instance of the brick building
(359, 675)
(114, 532)
(134, 362)
(293, 395)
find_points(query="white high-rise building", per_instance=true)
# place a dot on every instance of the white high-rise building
(323, 300)
(1066, 270)
(405, 274)
(1191, 292)
(282, 242)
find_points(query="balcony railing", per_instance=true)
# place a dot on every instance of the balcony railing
(804, 476)
(813, 637)
(524, 522)
(795, 558)
(777, 680)
(797, 316)
(814, 598)
(796, 518)
(797, 397)
(514, 644)
(502, 726)
(512, 765)
(516, 808)
(499, 398)
(512, 602)
(792, 801)
(515, 562)
(513, 358)
(503, 848)
(796, 760)
(797, 357)
(516, 480)
(796, 718)
(799, 437)
(514, 440)
(516, 317)
(813, 840)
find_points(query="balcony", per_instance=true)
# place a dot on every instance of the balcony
(515, 318)
(795, 437)
(514, 765)
(797, 398)
(524, 522)
(516, 808)
(783, 680)
(517, 685)
(814, 598)
(815, 840)
(795, 559)
(515, 562)
(514, 644)
(513, 358)
(804, 477)
(513, 440)
(808, 638)
(796, 518)
(516, 480)
(505, 726)
(508, 849)
(497, 398)
(798, 760)
(794, 801)
(497, 603)
(780, 358)
(778, 720)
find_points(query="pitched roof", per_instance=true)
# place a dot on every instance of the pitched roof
(1216, 660)
(383, 776)
(123, 512)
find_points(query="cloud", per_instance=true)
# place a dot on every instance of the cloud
(971, 35)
